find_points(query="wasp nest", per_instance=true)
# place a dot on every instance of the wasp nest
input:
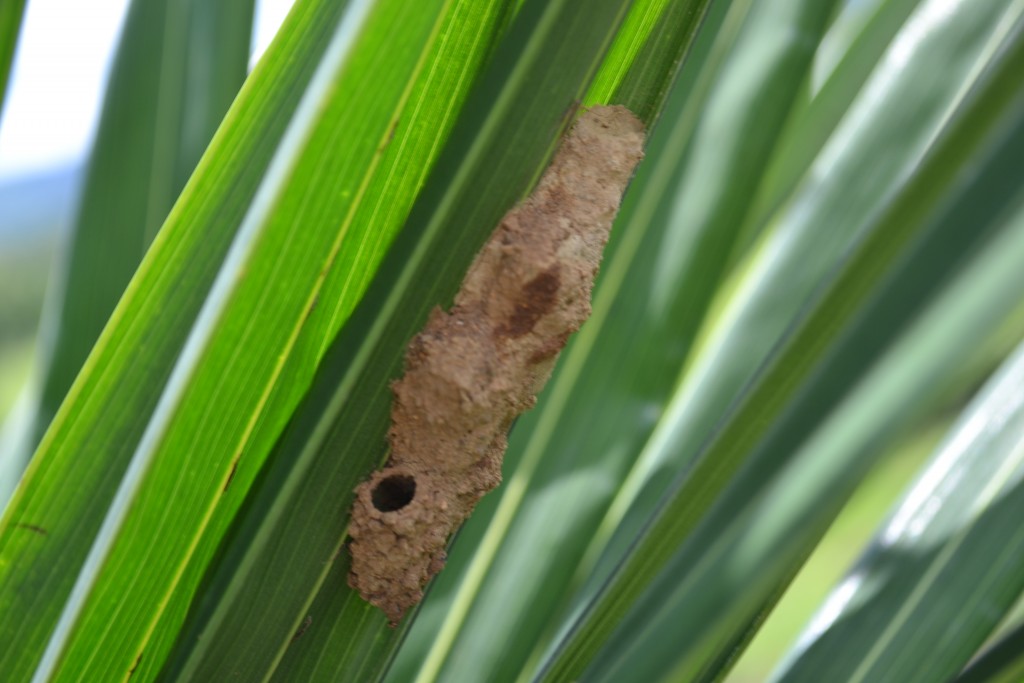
(473, 369)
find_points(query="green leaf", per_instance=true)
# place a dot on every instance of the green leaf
(944, 569)
(463, 38)
(774, 476)
(645, 57)
(1002, 662)
(857, 56)
(11, 12)
(669, 251)
(278, 567)
(177, 68)
(191, 444)
(867, 154)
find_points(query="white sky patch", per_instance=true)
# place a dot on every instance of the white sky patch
(56, 82)
(59, 72)
(269, 15)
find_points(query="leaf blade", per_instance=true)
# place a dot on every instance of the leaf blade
(694, 579)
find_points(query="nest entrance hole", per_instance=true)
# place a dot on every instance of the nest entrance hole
(393, 493)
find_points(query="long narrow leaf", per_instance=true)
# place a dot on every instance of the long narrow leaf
(460, 44)
(666, 260)
(280, 557)
(946, 566)
(680, 566)
(71, 483)
(645, 58)
(177, 68)
(1003, 662)
(874, 147)
(11, 12)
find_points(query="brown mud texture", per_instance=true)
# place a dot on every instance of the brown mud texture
(473, 369)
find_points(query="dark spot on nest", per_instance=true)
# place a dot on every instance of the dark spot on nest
(536, 299)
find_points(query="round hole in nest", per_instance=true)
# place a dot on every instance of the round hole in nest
(393, 492)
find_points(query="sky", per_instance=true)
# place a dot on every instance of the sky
(56, 84)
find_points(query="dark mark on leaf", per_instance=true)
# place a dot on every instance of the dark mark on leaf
(231, 476)
(131, 671)
(306, 623)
